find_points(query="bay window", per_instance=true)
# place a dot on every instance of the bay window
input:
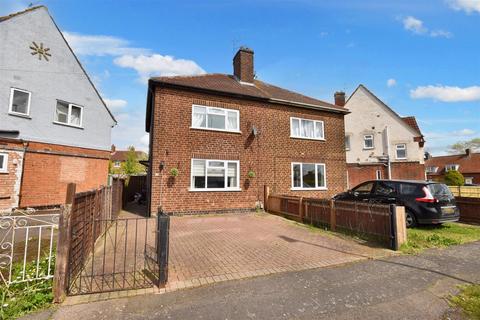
(215, 175)
(215, 118)
(306, 129)
(308, 176)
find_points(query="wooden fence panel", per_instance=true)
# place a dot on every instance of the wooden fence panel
(465, 191)
(469, 209)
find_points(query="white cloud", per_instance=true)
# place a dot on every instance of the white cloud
(158, 65)
(115, 105)
(101, 45)
(145, 140)
(416, 26)
(391, 83)
(446, 93)
(468, 6)
(438, 143)
(464, 133)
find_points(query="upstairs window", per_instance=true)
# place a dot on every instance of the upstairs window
(19, 102)
(347, 143)
(306, 129)
(452, 167)
(308, 176)
(431, 169)
(3, 162)
(401, 151)
(215, 175)
(215, 118)
(368, 141)
(69, 114)
(117, 164)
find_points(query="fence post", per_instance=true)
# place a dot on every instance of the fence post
(333, 216)
(60, 282)
(163, 228)
(400, 226)
(300, 208)
(266, 194)
(393, 227)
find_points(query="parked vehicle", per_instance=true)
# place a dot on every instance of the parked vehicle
(424, 202)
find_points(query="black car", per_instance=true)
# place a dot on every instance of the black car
(424, 202)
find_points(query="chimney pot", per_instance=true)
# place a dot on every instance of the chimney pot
(340, 98)
(468, 152)
(243, 65)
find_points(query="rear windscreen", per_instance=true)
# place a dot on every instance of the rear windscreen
(440, 190)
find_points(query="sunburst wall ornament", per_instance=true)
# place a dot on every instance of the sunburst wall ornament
(40, 51)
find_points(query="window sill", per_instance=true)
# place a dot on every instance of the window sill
(20, 115)
(302, 138)
(218, 130)
(68, 125)
(401, 158)
(309, 189)
(369, 148)
(3, 172)
(215, 190)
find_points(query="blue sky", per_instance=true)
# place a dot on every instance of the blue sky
(422, 58)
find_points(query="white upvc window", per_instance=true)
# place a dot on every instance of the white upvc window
(401, 151)
(117, 164)
(308, 176)
(306, 129)
(19, 102)
(3, 162)
(378, 174)
(368, 141)
(452, 167)
(347, 142)
(431, 169)
(212, 118)
(215, 175)
(69, 114)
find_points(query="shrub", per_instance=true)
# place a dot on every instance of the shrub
(252, 174)
(454, 178)
(174, 172)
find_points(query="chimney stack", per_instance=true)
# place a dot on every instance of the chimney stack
(468, 152)
(340, 98)
(243, 65)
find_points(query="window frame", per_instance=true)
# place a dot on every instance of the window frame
(456, 167)
(117, 162)
(347, 138)
(10, 105)
(301, 188)
(4, 167)
(314, 127)
(435, 169)
(397, 149)
(225, 167)
(378, 174)
(206, 119)
(69, 113)
(373, 141)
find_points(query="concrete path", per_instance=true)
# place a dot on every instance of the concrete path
(401, 287)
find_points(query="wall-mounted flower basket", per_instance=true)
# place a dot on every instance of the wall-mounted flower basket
(251, 174)
(174, 172)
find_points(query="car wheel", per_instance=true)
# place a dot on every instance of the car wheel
(410, 219)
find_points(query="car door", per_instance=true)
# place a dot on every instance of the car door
(363, 192)
(385, 192)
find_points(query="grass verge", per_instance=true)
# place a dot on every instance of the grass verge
(468, 300)
(21, 298)
(441, 236)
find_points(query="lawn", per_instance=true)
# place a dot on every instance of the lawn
(442, 236)
(469, 301)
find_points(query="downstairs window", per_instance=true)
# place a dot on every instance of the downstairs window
(215, 175)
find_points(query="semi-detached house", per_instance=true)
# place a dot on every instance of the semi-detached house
(217, 139)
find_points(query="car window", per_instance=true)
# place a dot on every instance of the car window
(440, 190)
(409, 189)
(385, 188)
(364, 188)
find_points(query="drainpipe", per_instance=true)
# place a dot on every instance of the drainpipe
(389, 166)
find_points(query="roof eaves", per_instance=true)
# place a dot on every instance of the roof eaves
(308, 106)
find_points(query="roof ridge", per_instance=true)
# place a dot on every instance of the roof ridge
(14, 14)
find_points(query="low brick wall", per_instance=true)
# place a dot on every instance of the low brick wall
(469, 209)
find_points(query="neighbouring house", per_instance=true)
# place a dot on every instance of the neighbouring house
(379, 143)
(119, 158)
(468, 164)
(54, 126)
(217, 139)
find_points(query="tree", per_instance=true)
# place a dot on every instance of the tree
(131, 165)
(454, 178)
(461, 146)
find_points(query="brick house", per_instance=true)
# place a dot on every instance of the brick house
(119, 157)
(54, 126)
(380, 143)
(230, 135)
(468, 164)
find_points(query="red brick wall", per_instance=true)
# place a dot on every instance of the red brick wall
(47, 173)
(10, 181)
(269, 154)
(400, 170)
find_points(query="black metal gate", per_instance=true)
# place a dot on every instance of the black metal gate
(117, 254)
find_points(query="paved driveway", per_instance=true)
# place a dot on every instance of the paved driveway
(208, 249)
